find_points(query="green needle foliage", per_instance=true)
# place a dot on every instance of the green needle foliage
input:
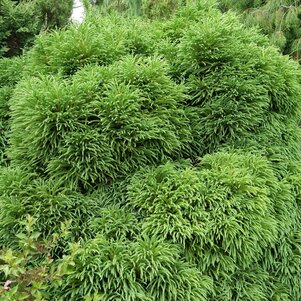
(280, 20)
(221, 211)
(145, 269)
(152, 9)
(48, 203)
(104, 123)
(20, 22)
(11, 71)
(169, 149)
(208, 209)
(233, 80)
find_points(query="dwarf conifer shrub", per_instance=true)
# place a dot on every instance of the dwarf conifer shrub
(102, 41)
(210, 213)
(232, 79)
(171, 149)
(172, 203)
(48, 203)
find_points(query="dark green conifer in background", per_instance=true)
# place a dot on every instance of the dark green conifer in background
(279, 19)
(21, 20)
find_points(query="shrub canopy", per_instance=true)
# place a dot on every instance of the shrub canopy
(172, 149)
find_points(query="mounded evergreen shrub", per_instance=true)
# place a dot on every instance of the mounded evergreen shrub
(146, 269)
(170, 148)
(233, 80)
(49, 203)
(108, 120)
(225, 213)
(20, 22)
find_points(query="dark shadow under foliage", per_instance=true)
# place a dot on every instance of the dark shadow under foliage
(172, 150)
(21, 20)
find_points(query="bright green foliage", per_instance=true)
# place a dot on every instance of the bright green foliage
(49, 204)
(115, 223)
(100, 42)
(21, 20)
(232, 83)
(105, 122)
(226, 214)
(207, 210)
(171, 150)
(279, 19)
(11, 70)
(145, 269)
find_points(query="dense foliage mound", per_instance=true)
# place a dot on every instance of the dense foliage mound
(169, 150)
(20, 22)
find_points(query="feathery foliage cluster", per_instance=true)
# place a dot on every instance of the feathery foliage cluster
(147, 8)
(11, 70)
(280, 20)
(20, 22)
(170, 148)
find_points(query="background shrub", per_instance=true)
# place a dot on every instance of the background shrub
(20, 21)
(152, 9)
(280, 20)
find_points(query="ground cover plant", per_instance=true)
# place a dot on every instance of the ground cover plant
(153, 160)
